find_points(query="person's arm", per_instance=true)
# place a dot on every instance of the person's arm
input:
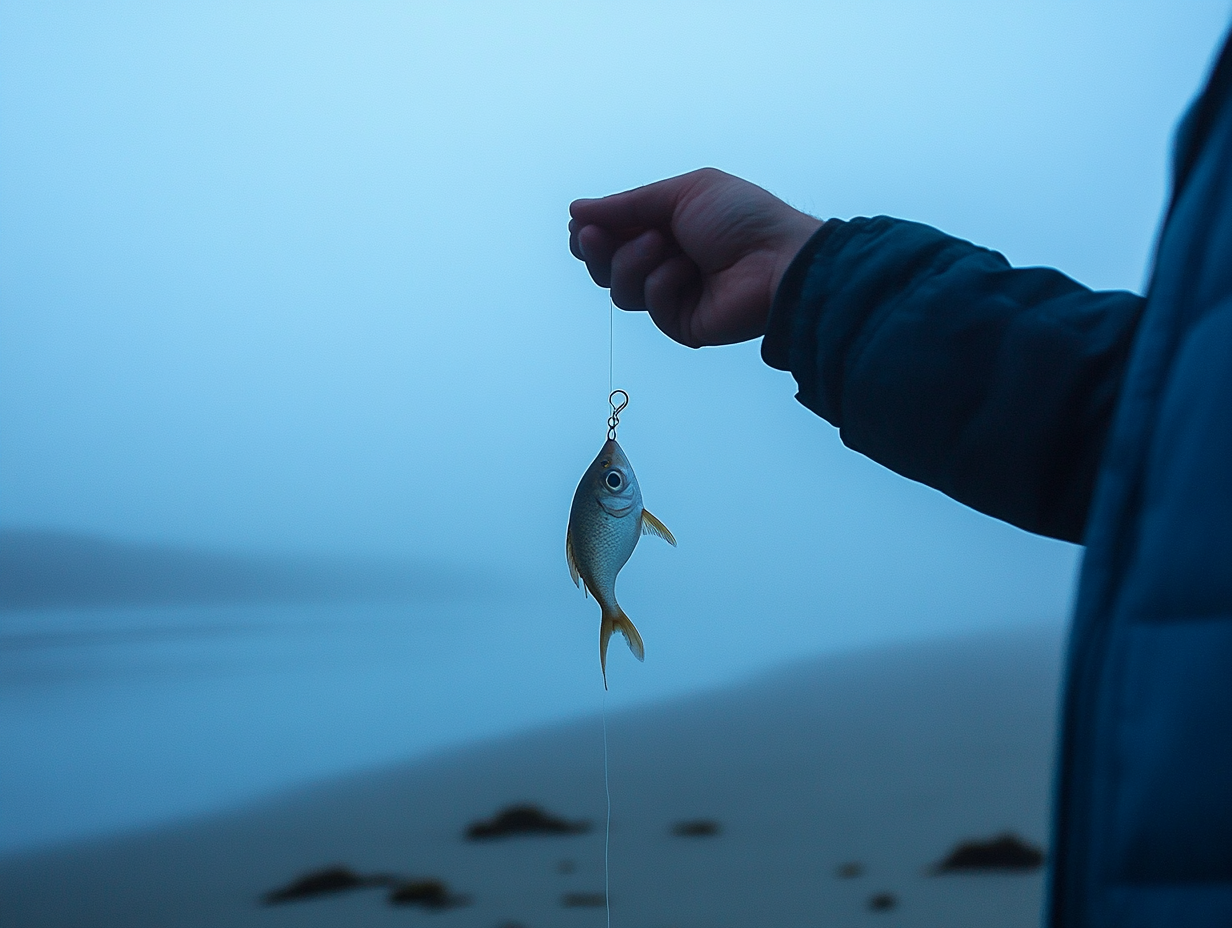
(934, 357)
(931, 355)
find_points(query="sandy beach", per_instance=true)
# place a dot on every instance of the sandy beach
(824, 793)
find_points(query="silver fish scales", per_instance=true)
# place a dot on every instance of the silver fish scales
(606, 521)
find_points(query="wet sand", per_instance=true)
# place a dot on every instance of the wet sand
(826, 793)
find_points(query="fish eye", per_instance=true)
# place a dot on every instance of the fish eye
(613, 480)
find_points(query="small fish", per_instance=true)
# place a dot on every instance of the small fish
(605, 522)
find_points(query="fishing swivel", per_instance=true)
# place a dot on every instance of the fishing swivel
(617, 408)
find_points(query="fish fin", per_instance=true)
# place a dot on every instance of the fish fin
(617, 621)
(573, 571)
(652, 526)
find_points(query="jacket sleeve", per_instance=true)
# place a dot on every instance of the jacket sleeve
(934, 357)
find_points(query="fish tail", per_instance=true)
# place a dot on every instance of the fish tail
(615, 620)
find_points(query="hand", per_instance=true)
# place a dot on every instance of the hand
(703, 253)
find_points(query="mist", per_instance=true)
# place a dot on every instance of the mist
(292, 280)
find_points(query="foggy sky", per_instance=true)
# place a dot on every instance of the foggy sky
(291, 277)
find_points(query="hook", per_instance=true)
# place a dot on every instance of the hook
(614, 419)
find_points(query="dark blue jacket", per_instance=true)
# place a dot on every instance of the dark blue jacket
(1103, 418)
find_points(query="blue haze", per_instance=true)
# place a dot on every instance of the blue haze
(294, 278)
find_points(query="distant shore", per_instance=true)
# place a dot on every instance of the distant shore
(56, 570)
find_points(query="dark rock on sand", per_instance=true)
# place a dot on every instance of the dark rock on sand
(696, 828)
(882, 902)
(849, 870)
(429, 893)
(1006, 852)
(583, 900)
(319, 883)
(523, 820)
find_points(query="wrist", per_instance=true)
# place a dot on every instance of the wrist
(797, 231)
(776, 346)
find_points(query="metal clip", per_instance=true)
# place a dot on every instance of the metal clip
(614, 419)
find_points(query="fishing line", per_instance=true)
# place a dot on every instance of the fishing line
(612, 422)
(607, 782)
(607, 834)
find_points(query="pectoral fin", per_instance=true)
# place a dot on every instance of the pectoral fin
(652, 526)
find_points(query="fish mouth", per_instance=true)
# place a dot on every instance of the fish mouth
(616, 510)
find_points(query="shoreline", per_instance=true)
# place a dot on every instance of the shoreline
(881, 761)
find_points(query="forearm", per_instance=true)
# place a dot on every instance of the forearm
(934, 357)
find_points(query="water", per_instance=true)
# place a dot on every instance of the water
(115, 719)
(118, 718)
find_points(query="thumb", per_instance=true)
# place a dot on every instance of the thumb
(648, 207)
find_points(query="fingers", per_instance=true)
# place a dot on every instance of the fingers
(672, 292)
(701, 252)
(624, 266)
(574, 248)
(633, 262)
(598, 228)
(595, 246)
